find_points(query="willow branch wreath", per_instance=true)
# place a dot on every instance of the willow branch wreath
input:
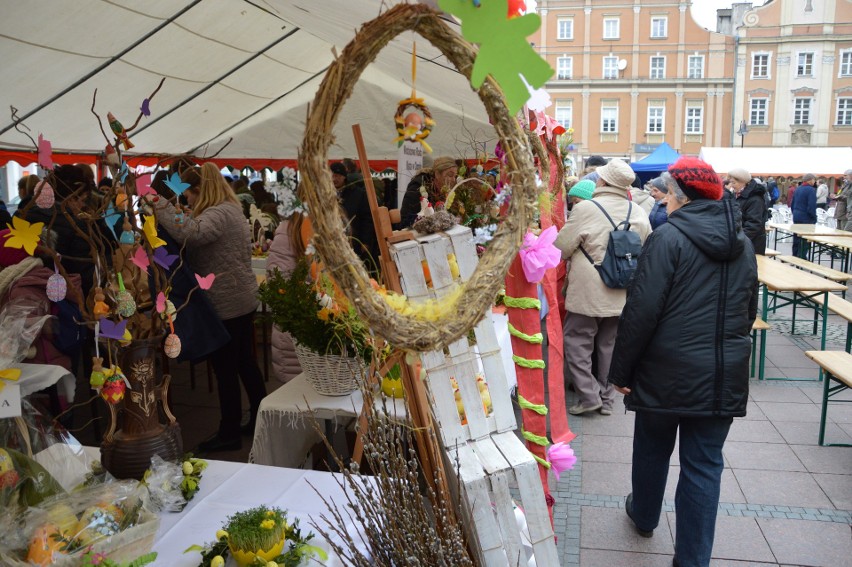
(330, 239)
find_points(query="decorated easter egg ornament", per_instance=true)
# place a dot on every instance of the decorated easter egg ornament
(124, 303)
(97, 379)
(113, 389)
(172, 345)
(56, 285)
(44, 195)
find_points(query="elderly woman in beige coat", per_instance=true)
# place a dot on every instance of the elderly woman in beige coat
(592, 307)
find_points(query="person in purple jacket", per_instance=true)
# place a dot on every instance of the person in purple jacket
(804, 211)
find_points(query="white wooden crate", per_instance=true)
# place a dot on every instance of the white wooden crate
(485, 452)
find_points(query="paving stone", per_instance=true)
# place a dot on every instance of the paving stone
(837, 460)
(783, 488)
(611, 529)
(617, 424)
(817, 544)
(762, 456)
(606, 478)
(807, 433)
(838, 487)
(753, 413)
(730, 563)
(754, 431)
(736, 538)
(770, 392)
(780, 411)
(598, 557)
(607, 448)
(840, 413)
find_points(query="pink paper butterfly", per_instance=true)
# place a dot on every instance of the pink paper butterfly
(206, 281)
(140, 258)
(143, 185)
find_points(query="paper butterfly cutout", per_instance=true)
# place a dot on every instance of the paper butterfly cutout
(140, 258)
(124, 171)
(206, 281)
(143, 185)
(150, 230)
(111, 216)
(539, 254)
(163, 258)
(175, 184)
(504, 52)
(45, 153)
(112, 330)
(161, 302)
(145, 109)
(24, 235)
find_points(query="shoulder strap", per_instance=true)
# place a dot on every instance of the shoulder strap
(609, 218)
(606, 214)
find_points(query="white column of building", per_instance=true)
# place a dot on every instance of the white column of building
(678, 138)
(636, 122)
(681, 40)
(634, 55)
(587, 132)
(587, 33)
(824, 108)
(784, 96)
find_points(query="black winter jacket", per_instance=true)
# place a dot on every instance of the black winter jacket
(683, 338)
(754, 206)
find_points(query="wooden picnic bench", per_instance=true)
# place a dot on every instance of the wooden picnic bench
(841, 308)
(759, 326)
(837, 366)
(817, 269)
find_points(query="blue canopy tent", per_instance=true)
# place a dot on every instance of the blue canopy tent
(655, 163)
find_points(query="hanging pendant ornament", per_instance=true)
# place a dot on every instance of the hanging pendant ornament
(44, 195)
(180, 216)
(124, 303)
(57, 288)
(172, 345)
(412, 127)
(98, 378)
(100, 309)
(113, 389)
(127, 236)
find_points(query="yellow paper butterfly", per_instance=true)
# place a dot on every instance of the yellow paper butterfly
(24, 235)
(150, 230)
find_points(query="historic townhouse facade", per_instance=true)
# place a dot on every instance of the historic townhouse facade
(794, 73)
(631, 74)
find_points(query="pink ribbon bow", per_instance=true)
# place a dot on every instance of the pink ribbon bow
(539, 254)
(561, 457)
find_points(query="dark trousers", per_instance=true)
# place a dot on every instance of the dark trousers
(233, 362)
(699, 484)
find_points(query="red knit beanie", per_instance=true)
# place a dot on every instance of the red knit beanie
(696, 179)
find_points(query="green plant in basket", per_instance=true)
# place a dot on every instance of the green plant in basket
(317, 315)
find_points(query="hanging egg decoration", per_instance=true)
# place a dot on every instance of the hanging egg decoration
(113, 389)
(127, 236)
(97, 379)
(169, 311)
(126, 338)
(56, 288)
(172, 346)
(44, 195)
(124, 303)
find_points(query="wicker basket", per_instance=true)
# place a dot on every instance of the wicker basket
(330, 374)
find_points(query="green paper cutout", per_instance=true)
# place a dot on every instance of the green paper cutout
(504, 52)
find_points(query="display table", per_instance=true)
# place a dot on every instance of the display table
(227, 488)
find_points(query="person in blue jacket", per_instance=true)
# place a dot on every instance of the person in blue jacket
(658, 214)
(804, 211)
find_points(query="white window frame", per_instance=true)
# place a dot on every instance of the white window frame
(844, 109)
(610, 71)
(564, 113)
(802, 108)
(559, 29)
(690, 67)
(805, 68)
(694, 117)
(762, 114)
(610, 20)
(656, 117)
(665, 27)
(844, 60)
(754, 57)
(564, 68)
(609, 117)
(657, 72)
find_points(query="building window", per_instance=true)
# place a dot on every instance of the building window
(760, 66)
(757, 116)
(611, 28)
(656, 114)
(658, 67)
(610, 67)
(695, 118)
(844, 111)
(696, 67)
(564, 67)
(802, 110)
(564, 113)
(846, 63)
(805, 67)
(659, 27)
(609, 118)
(565, 28)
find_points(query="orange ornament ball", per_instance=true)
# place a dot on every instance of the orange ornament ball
(412, 119)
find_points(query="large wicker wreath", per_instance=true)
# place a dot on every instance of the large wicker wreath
(330, 237)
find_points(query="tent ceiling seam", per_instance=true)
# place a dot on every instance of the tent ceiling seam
(53, 49)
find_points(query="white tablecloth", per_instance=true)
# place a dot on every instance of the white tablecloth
(227, 488)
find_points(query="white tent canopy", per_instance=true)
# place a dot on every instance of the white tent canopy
(234, 69)
(780, 161)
